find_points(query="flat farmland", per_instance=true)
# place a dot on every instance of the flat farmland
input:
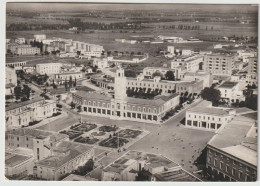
(15, 19)
(107, 39)
(219, 29)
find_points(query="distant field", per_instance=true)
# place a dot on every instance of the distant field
(11, 19)
(219, 29)
(107, 39)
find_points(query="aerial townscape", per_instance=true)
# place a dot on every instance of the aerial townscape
(135, 92)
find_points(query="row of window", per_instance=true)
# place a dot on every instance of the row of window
(126, 115)
(206, 117)
(203, 124)
(233, 171)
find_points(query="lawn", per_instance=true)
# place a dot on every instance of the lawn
(108, 128)
(87, 140)
(113, 142)
(129, 133)
(71, 133)
(84, 127)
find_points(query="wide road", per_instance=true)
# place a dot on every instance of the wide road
(178, 143)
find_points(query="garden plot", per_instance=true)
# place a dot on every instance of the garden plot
(107, 136)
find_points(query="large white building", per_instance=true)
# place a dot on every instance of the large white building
(100, 63)
(27, 51)
(252, 76)
(181, 65)
(219, 64)
(48, 68)
(125, 108)
(208, 118)
(232, 151)
(36, 109)
(39, 37)
(230, 92)
(206, 77)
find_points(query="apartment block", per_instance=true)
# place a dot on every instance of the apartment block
(48, 68)
(219, 64)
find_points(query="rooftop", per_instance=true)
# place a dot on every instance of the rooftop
(228, 85)
(157, 101)
(151, 160)
(210, 110)
(74, 177)
(22, 104)
(176, 175)
(12, 160)
(92, 95)
(74, 151)
(34, 133)
(233, 142)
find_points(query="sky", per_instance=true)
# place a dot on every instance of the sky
(86, 6)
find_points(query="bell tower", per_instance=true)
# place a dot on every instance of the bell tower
(120, 84)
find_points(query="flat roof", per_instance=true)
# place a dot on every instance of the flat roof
(228, 84)
(35, 133)
(243, 153)
(18, 105)
(12, 160)
(176, 175)
(151, 160)
(92, 95)
(157, 101)
(73, 149)
(209, 110)
(230, 138)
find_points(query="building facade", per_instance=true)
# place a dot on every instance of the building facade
(18, 115)
(48, 68)
(208, 118)
(232, 156)
(27, 51)
(122, 107)
(219, 64)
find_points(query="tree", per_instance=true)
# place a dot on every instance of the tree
(130, 73)
(72, 105)
(79, 108)
(17, 92)
(70, 82)
(66, 85)
(211, 94)
(75, 82)
(26, 91)
(170, 76)
(157, 73)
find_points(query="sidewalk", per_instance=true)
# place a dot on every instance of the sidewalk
(48, 120)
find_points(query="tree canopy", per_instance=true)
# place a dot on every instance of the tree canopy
(170, 76)
(210, 94)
